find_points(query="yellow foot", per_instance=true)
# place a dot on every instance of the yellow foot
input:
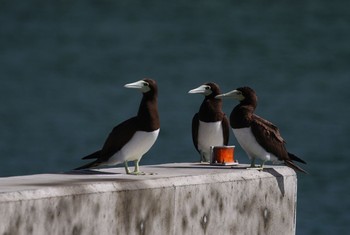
(259, 168)
(136, 173)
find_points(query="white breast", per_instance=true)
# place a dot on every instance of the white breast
(209, 134)
(138, 145)
(249, 144)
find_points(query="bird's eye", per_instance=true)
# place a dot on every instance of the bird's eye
(145, 84)
(207, 88)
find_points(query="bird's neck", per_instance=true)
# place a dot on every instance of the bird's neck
(211, 110)
(148, 114)
(241, 116)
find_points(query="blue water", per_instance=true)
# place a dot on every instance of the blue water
(63, 66)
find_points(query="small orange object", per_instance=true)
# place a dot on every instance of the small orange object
(222, 154)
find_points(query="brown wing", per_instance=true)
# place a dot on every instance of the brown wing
(119, 136)
(225, 129)
(270, 126)
(267, 135)
(195, 126)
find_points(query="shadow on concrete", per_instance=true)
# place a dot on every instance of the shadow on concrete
(81, 178)
(279, 178)
(202, 166)
(89, 172)
(77, 181)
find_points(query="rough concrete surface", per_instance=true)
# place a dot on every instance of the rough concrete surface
(177, 198)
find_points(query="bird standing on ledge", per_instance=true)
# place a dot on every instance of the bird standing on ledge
(131, 139)
(258, 137)
(210, 126)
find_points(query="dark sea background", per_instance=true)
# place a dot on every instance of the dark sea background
(63, 65)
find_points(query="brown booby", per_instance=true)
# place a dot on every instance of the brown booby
(210, 126)
(131, 139)
(258, 137)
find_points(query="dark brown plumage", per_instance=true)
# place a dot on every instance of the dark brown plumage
(210, 112)
(146, 121)
(264, 132)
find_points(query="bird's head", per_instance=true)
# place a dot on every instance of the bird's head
(242, 94)
(209, 89)
(145, 86)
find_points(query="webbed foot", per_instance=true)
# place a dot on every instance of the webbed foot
(253, 166)
(136, 173)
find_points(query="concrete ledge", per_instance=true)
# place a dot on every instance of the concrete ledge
(178, 198)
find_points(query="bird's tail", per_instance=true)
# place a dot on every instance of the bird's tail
(295, 158)
(294, 166)
(93, 155)
(89, 165)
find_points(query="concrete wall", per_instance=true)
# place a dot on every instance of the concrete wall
(185, 198)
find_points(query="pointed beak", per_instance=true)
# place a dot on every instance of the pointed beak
(135, 85)
(203, 89)
(230, 94)
(140, 85)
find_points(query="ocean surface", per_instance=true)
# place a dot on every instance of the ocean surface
(63, 65)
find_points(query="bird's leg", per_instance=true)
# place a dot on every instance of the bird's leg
(126, 167)
(261, 168)
(204, 160)
(202, 157)
(252, 163)
(137, 169)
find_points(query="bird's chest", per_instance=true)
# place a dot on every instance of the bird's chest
(137, 146)
(141, 141)
(210, 134)
(247, 141)
(240, 117)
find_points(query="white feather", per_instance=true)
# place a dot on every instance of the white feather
(249, 144)
(138, 145)
(209, 134)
